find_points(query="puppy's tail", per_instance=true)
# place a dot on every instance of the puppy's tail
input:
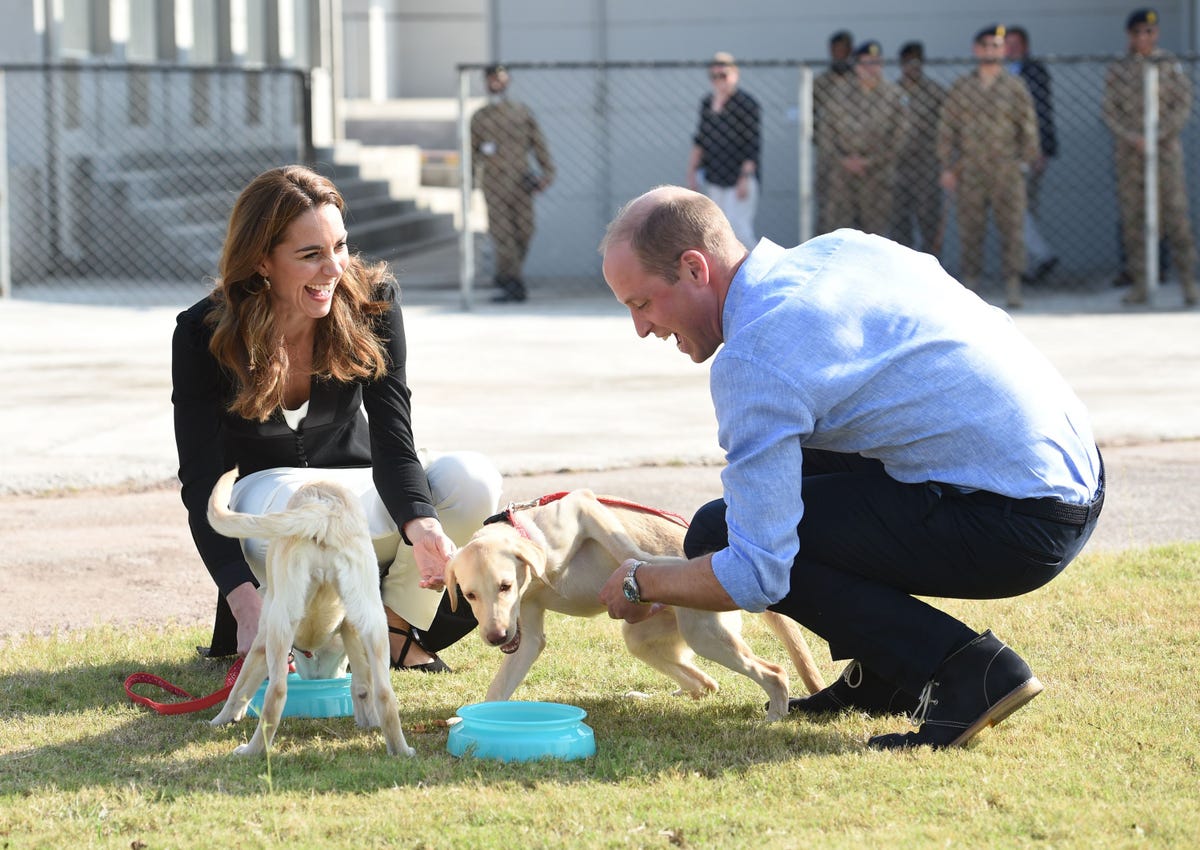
(310, 519)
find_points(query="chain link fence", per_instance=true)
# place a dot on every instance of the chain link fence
(119, 180)
(615, 130)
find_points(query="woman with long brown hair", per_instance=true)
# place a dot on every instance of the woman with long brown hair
(273, 372)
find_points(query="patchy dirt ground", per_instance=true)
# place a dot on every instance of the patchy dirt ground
(73, 561)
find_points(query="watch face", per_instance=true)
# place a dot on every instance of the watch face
(631, 589)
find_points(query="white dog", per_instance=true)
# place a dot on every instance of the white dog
(556, 553)
(321, 589)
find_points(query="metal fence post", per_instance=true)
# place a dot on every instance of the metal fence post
(1150, 117)
(5, 253)
(466, 237)
(307, 146)
(804, 160)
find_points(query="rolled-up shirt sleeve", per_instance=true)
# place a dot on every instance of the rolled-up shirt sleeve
(763, 422)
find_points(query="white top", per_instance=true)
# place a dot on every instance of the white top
(293, 418)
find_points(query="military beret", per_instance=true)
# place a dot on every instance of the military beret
(1141, 16)
(991, 31)
(869, 48)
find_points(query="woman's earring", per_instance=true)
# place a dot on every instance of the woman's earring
(266, 284)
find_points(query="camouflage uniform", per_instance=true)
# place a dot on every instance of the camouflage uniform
(829, 89)
(503, 135)
(986, 135)
(918, 197)
(865, 123)
(1124, 101)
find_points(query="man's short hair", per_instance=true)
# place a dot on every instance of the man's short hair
(911, 49)
(1021, 33)
(841, 37)
(723, 59)
(659, 236)
(494, 69)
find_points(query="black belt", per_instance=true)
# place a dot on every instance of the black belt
(1044, 508)
(1048, 508)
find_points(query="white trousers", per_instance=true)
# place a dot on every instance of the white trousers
(739, 212)
(466, 491)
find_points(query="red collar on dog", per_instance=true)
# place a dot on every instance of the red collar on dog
(509, 513)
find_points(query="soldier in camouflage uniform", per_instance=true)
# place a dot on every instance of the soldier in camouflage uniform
(828, 89)
(503, 136)
(917, 202)
(987, 140)
(863, 128)
(1124, 101)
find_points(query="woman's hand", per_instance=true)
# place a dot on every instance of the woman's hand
(246, 606)
(431, 549)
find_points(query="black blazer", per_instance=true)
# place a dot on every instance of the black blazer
(335, 434)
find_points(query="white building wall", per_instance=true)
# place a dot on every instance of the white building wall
(20, 39)
(426, 40)
(636, 30)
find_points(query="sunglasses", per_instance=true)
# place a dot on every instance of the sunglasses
(718, 75)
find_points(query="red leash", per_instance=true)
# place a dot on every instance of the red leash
(509, 513)
(191, 703)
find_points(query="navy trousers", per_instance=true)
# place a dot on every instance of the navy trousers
(869, 545)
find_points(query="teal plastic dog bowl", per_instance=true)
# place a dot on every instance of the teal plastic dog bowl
(521, 731)
(310, 698)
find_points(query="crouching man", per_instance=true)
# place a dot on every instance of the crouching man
(888, 435)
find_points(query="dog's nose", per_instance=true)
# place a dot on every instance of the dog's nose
(497, 637)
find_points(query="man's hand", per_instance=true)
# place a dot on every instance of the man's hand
(948, 180)
(612, 596)
(856, 165)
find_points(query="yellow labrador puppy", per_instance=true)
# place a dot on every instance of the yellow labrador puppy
(321, 588)
(554, 554)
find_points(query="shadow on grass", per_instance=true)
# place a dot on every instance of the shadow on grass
(106, 740)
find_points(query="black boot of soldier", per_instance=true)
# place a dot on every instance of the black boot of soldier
(511, 289)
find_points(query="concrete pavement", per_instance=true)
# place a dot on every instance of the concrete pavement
(558, 383)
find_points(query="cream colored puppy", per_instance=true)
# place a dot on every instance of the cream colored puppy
(556, 556)
(321, 587)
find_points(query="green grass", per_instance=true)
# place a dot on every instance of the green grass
(1108, 756)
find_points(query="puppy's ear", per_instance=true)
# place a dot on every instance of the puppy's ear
(534, 558)
(451, 583)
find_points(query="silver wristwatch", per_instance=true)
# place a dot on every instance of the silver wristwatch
(630, 586)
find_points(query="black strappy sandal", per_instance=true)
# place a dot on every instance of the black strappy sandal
(437, 665)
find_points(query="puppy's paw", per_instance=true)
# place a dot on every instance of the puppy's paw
(775, 716)
(245, 750)
(222, 719)
(405, 750)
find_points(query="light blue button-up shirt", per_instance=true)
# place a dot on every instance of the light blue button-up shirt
(855, 344)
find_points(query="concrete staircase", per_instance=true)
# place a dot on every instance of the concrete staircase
(386, 216)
